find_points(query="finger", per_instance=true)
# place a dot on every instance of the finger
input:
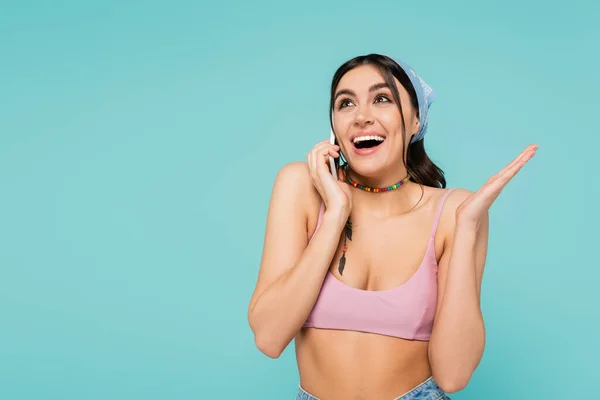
(324, 172)
(315, 175)
(326, 157)
(322, 143)
(508, 172)
(511, 171)
(324, 150)
(320, 152)
(321, 146)
(500, 180)
(519, 158)
(331, 152)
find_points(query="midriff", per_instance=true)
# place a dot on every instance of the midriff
(336, 364)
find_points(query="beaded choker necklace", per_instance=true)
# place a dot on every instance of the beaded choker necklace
(348, 228)
(378, 190)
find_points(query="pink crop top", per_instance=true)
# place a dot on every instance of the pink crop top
(405, 311)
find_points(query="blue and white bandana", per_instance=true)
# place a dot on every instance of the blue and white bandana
(425, 96)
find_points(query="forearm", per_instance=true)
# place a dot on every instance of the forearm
(283, 307)
(458, 339)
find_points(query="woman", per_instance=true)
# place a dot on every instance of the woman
(377, 274)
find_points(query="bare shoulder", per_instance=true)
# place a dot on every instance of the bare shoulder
(296, 171)
(451, 204)
(453, 199)
(293, 185)
(456, 198)
(294, 178)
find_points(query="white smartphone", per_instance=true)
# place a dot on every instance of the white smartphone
(331, 160)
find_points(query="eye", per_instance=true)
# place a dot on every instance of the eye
(344, 103)
(382, 97)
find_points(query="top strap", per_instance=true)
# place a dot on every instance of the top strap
(438, 212)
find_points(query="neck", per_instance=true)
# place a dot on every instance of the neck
(384, 204)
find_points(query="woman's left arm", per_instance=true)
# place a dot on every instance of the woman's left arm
(458, 337)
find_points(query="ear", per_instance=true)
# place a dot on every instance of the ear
(413, 129)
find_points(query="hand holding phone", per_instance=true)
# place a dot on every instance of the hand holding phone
(336, 194)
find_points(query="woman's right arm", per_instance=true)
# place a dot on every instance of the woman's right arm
(291, 272)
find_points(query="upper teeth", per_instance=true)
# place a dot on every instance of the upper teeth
(362, 138)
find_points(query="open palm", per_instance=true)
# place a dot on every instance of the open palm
(477, 204)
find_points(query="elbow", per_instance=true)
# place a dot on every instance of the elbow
(264, 343)
(267, 346)
(451, 383)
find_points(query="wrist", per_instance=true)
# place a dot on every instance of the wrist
(337, 216)
(468, 223)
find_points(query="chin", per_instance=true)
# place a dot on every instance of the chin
(368, 168)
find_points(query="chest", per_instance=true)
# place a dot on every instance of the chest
(386, 253)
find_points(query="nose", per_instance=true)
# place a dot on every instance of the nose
(363, 116)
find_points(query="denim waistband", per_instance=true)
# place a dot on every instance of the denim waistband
(427, 390)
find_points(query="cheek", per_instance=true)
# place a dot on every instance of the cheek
(341, 123)
(391, 121)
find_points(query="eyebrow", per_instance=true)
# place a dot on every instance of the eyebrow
(373, 88)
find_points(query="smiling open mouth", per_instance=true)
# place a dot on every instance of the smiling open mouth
(368, 142)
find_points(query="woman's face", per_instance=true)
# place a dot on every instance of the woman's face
(367, 122)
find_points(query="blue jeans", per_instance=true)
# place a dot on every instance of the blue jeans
(427, 390)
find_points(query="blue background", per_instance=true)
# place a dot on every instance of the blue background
(139, 142)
